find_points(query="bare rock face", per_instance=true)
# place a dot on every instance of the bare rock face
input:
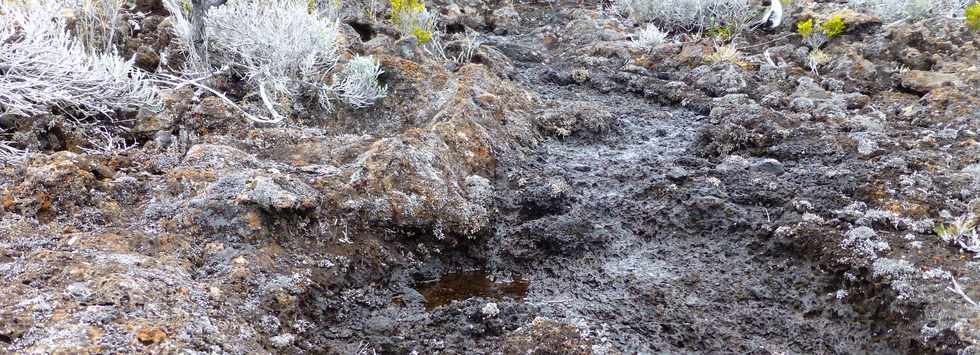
(926, 81)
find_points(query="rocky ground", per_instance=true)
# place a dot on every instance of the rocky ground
(561, 192)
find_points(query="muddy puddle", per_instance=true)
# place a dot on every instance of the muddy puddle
(460, 286)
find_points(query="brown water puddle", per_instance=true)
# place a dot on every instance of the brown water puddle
(464, 285)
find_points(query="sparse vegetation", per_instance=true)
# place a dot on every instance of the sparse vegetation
(833, 27)
(413, 20)
(721, 33)
(805, 28)
(816, 34)
(358, 83)
(281, 49)
(817, 58)
(62, 61)
(650, 38)
(724, 54)
(543, 145)
(972, 14)
(962, 232)
(10, 154)
(44, 68)
(690, 15)
(95, 22)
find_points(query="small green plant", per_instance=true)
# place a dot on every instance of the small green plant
(962, 232)
(724, 54)
(816, 34)
(722, 33)
(423, 36)
(960, 227)
(412, 19)
(805, 28)
(816, 59)
(833, 27)
(400, 7)
(973, 16)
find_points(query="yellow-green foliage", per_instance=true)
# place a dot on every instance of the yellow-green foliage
(722, 33)
(955, 230)
(805, 28)
(412, 19)
(311, 6)
(973, 16)
(816, 34)
(724, 54)
(833, 27)
(422, 35)
(400, 7)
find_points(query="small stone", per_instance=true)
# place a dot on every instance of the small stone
(854, 19)
(282, 340)
(215, 293)
(150, 336)
(770, 166)
(148, 121)
(490, 310)
(8, 121)
(505, 19)
(856, 100)
(866, 145)
(678, 174)
(732, 163)
(407, 47)
(812, 218)
(163, 139)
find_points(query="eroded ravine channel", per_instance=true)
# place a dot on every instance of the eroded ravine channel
(621, 228)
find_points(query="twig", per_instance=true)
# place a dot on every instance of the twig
(276, 118)
(179, 82)
(770, 42)
(959, 291)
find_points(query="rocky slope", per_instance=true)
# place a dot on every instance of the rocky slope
(562, 192)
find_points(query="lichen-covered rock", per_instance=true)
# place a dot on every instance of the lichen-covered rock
(219, 190)
(416, 179)
(738, 123)
(60, 184)
(720, 79)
